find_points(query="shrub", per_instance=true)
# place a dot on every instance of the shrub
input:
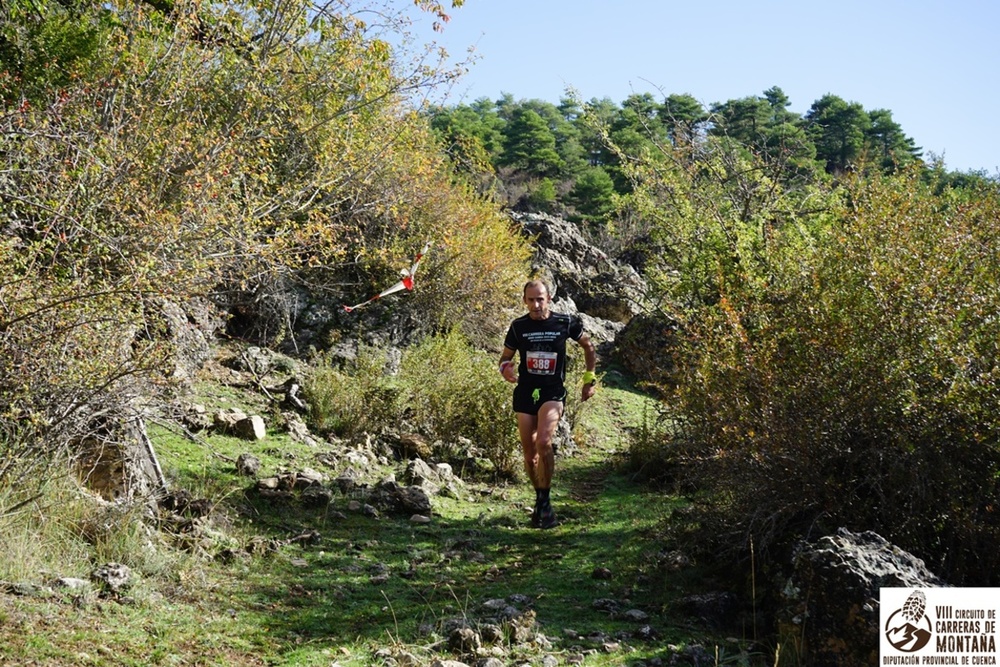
(858, 387)
(353, 399)
(454, 390)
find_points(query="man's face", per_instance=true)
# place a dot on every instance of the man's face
(537, 300)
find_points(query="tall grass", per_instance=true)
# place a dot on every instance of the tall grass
(61, 530)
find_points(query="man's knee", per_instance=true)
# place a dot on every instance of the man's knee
(543, 445)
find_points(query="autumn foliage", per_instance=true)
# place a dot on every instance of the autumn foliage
(162, 151)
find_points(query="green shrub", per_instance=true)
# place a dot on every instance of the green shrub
(350, 400)
(858, 387)
(454, 390)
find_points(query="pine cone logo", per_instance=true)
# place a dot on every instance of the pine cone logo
(908, 628)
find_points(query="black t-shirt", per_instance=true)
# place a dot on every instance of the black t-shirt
(542, 346)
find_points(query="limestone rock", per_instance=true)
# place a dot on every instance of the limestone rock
(832, 598)
(112, 577)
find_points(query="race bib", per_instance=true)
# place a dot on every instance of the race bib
(541, 363)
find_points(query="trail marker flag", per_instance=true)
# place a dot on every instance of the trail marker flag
(406, 281)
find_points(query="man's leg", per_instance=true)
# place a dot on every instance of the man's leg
(527, 424)
(537, 433)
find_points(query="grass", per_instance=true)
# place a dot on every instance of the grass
(368, 585)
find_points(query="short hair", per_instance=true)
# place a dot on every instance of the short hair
(536, 283)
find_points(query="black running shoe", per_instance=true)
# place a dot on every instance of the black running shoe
(547, 517)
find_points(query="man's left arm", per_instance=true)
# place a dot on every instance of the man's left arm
(590, 358)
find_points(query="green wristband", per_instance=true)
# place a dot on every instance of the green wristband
(589, 377)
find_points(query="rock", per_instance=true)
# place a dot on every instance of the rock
(112, 577)
(347, 480)
(464, 640)
(317, 496)
(225, 420)
(308, 477)
(195, 418)
(419, 473)
(72, 584)
(491, 633)
(413, 445)
(191, 327)
(607, 605)
(298, 429)
(832, 598)
(24, 588)
(268, 484)
(414, 500)
(247, 465)
(636, 615)
(601, 573)
(717, 609)
(600, 286)
(251, 428)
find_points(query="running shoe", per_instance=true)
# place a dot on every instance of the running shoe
(547, 517)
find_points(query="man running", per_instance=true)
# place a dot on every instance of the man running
(540, 395)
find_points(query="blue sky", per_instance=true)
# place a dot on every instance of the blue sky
(934, 65)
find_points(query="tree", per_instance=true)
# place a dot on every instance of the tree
(684, 117)
(566, 134)
(597, 112)
(245, 170)
(745, 120)
(593, 194)
(838, 129)
(889, 145)
(531, 146)
(779, 107)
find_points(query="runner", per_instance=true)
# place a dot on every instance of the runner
(539, 337)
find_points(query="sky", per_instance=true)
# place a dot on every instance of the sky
(934, 64)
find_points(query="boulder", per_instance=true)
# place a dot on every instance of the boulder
(608, 292)
(190, 326)
(251, 428)
(247, 465)
(112, 577)
(831, 601)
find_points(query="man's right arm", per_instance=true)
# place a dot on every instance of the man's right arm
(508, 369)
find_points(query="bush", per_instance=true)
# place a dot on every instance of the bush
(351, 400)
(453, 390)
(858, 387)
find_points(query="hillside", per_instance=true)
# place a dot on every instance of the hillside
(324, 578)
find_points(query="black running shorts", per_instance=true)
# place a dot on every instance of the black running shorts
(529, 399)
